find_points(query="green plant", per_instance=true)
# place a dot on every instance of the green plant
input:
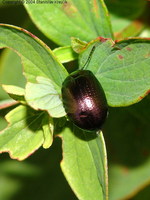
(122, 67)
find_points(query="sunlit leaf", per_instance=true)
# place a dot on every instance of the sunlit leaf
(122, 69)
(43, 95)
(37, 58)
(24, 134)
(84, 163)
(83, 19)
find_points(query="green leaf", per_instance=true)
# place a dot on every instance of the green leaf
(7, 103)
(10, 71)
(126, 21)
(144, 194)
(3, 123)
(48, 129)
(65, 54)
(121, 175)
(127, 9)
(11, 89)
(145, 33)
(122, 69)
(132, 29)
(24, 134)
(43, 95)
(101, 52)
(83, 19)
(127, 137)
(37, 58)
(85, 164)
(78, 45)
(15, 92)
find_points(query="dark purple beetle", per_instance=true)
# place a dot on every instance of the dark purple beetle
(84, 100)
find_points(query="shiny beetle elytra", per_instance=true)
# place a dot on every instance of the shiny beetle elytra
(84, 100)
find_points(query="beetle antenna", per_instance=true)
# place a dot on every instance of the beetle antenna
(89, 57)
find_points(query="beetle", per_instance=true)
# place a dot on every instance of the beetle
(84, 100)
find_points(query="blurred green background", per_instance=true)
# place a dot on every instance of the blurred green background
(127, 130)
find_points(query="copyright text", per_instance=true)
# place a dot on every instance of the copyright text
(20, 2)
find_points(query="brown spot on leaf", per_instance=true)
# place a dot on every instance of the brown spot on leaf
(65, 5)
(95, 4)
(128, 49)
(140, 97)
(95, 8)
(148, 92)
(120, 57)
(147, 55)
(69, 8)
(102, 39)
(125, 170)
